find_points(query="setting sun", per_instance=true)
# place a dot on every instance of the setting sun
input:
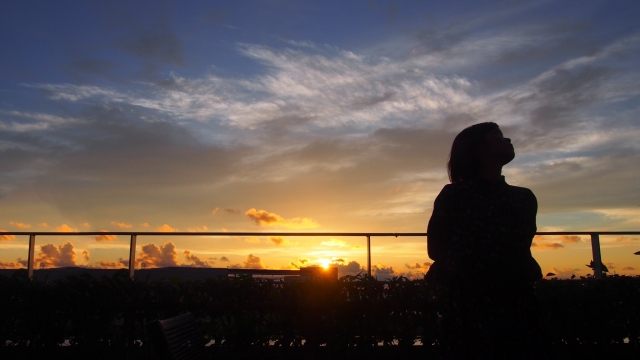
(324, 263)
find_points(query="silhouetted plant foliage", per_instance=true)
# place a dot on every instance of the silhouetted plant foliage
(354, 311)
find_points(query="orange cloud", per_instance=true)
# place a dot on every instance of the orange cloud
(10, 265)
(628, 268)
(252, 240)
(145, 225)
(265, 218)
(44, 225)
(166, 228)
(565, 272)
(6, 237)
(113, 265)
(198, 229)
(625, 238)
(252, 262)
(424, 266)
(86, 225)
(277, 240)
(121, 225)
(227, 210)
(56, 256)
(335, 243)
(195, 260)
(65, 228)
(85, 255)
(570, 238)
(20, 225)
(105, 237)
(552, 246)
(153, 256)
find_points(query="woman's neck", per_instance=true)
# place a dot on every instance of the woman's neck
(491, 172)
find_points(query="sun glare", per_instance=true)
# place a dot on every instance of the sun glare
(324, 263)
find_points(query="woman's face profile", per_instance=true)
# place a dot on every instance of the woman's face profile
(498, 147)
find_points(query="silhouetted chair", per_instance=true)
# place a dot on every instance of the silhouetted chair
(177, 338)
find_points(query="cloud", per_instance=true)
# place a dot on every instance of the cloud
(570, 239)
(195, 260)
(6, 237)
(626, 238)
(383, 272)
(158, 256)
(85, 255)
(85, 225)
(544, 241)
(334, 243)
(44, 225)
(56, 256)
(424, 266)
(105, 237)
(280, 241)
(252, 240)
(65, 228)
(628, 268)
(565, 272)
(166, 228)
(226, 210)
(252, 262)
(121, 225)
(145, 225)
(111, 264)
(224, 258)
(264, 218)
(10, 265)
(552, 246)
(198, 229)
(352, 268)
(20, 225)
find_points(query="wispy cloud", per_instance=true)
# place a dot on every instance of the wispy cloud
(265, 218)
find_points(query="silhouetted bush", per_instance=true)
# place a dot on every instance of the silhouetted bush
(355, 312)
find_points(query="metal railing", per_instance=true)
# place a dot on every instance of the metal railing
(595, 241)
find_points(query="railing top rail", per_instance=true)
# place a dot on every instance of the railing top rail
(248, 233)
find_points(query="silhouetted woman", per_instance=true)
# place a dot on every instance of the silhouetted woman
(479, 237)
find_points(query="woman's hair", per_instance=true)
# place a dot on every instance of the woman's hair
(463, 160)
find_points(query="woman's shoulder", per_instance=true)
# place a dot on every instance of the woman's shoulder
(523, 194)
(521, 190)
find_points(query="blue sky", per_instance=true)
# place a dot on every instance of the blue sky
(331, 116)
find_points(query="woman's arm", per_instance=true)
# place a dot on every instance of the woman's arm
(440, 226)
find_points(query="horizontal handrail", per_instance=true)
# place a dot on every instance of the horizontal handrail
(280, 233)
(595, 240)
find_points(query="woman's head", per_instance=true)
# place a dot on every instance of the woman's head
(473, 146)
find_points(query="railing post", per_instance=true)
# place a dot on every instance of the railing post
(30, 260)
(597, 259)
(369, 255)
(132, 255)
